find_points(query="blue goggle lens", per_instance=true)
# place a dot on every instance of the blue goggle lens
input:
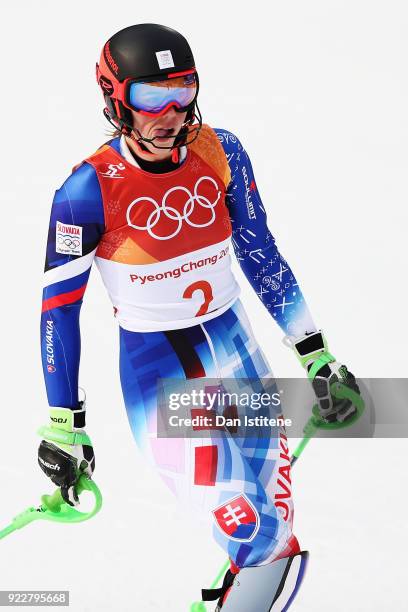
(153, 97)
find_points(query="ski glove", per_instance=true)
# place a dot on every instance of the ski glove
(66, 450)
(323, 370)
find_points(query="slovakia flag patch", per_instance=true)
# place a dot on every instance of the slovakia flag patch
(238, 519)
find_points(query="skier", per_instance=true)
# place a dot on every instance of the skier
(156, 207)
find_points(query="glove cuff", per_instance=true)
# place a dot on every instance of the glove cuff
(68, 419)
(309, 347)
(67, 426)
(312, 352)
(52, 434)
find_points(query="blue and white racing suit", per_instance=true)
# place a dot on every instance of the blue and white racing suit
(161, 244)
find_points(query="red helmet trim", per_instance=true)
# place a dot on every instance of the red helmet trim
(177, 74)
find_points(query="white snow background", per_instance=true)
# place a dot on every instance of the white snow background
(317, 92)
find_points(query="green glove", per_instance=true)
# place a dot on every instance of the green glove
(66, 450)
(323, 370)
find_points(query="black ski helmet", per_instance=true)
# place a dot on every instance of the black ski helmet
(141, 52)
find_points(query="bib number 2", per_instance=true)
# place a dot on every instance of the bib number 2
(206, 288)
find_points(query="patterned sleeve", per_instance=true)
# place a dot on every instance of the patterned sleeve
(257, 253)
(76, 225)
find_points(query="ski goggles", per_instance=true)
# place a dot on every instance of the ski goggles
(156, 97)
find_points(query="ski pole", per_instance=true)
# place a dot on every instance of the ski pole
(54, 508)
(340, 391)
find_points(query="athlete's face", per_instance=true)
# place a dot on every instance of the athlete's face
(163, 128)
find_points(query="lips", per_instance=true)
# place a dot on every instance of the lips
(163, 132)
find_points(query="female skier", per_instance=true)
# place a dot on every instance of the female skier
(156, 207)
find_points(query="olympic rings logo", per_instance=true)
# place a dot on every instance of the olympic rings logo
(70, 243)
(172, 213)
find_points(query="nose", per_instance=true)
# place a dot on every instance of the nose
(170, 112)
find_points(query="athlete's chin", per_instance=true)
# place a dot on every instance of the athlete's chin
(160, 153)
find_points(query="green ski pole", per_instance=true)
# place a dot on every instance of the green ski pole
(54, 508)
(340, 391)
